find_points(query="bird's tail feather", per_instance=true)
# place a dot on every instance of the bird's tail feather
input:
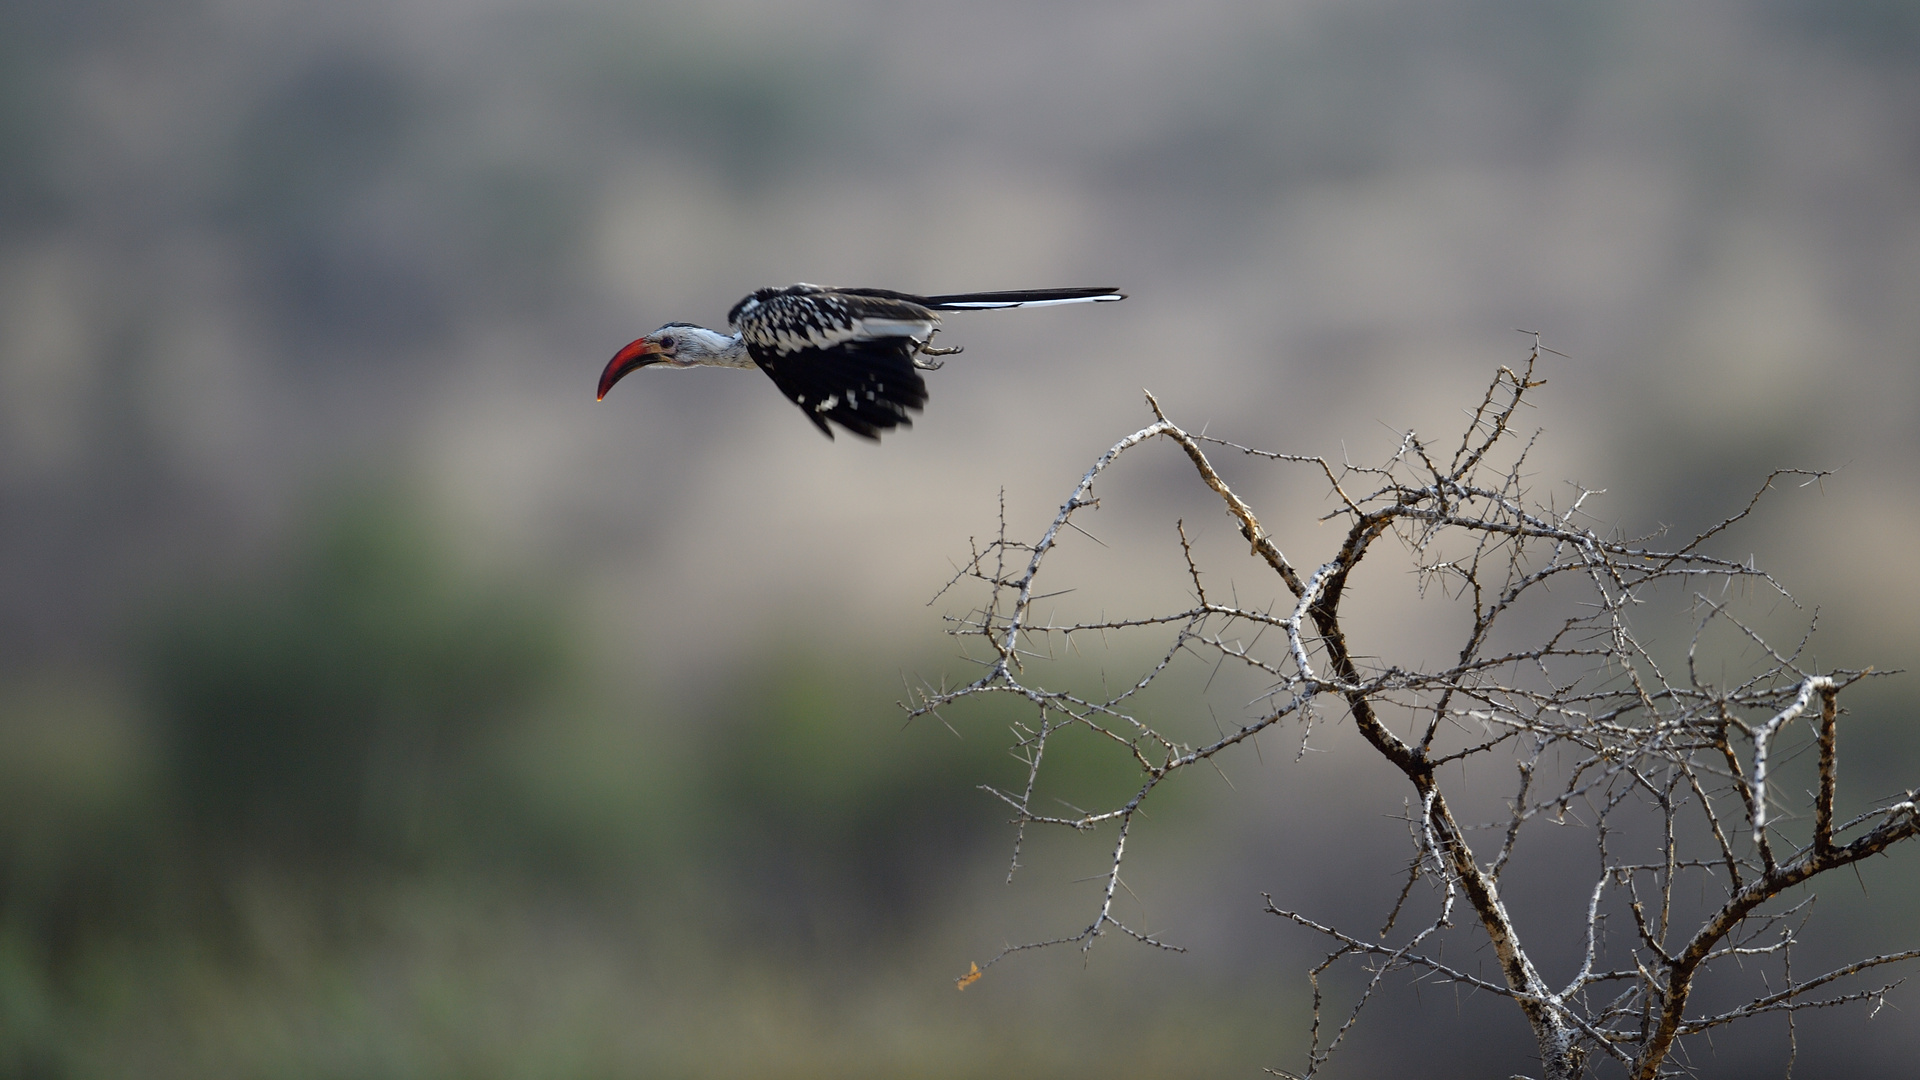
(1022, 298)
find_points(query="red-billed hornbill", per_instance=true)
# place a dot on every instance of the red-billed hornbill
(852, 356)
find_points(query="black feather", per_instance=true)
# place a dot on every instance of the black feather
(1015, 296)
(871, 384)
(811, 340)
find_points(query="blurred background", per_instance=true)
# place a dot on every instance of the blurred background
(374, 704)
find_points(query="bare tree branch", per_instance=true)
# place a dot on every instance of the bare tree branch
(1673, 774)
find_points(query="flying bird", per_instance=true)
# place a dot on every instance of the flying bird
(852, 356)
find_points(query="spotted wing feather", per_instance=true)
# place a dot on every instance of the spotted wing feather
(844, 356)
(866, 387)
(801, 317)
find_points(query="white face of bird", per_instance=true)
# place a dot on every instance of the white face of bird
(685, 345)
(675, 344)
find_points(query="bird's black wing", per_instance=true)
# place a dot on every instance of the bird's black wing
(806, 316)
(840, 356)
(865, 386)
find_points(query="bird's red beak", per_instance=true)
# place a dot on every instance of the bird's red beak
(637, 354)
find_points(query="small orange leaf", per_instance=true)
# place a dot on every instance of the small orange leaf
(969, 978)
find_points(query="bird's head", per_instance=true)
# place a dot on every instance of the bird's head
(676, 344)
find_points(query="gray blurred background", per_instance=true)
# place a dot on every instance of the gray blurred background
(374, 704)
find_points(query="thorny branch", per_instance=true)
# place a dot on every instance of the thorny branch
(1603, 733)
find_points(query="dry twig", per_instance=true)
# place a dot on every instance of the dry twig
(1596, 726)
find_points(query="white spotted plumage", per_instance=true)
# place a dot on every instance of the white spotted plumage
(850, 356)
(791, 321)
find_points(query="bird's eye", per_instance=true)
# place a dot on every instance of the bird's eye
(666, 341)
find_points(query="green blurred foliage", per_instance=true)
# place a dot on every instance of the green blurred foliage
(336, 709)
(353, 799)
(882, 821)
(77, 849)
(840, 822)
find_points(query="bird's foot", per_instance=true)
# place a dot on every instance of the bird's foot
(925, 348)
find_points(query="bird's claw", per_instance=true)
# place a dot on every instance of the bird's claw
(925, 348)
